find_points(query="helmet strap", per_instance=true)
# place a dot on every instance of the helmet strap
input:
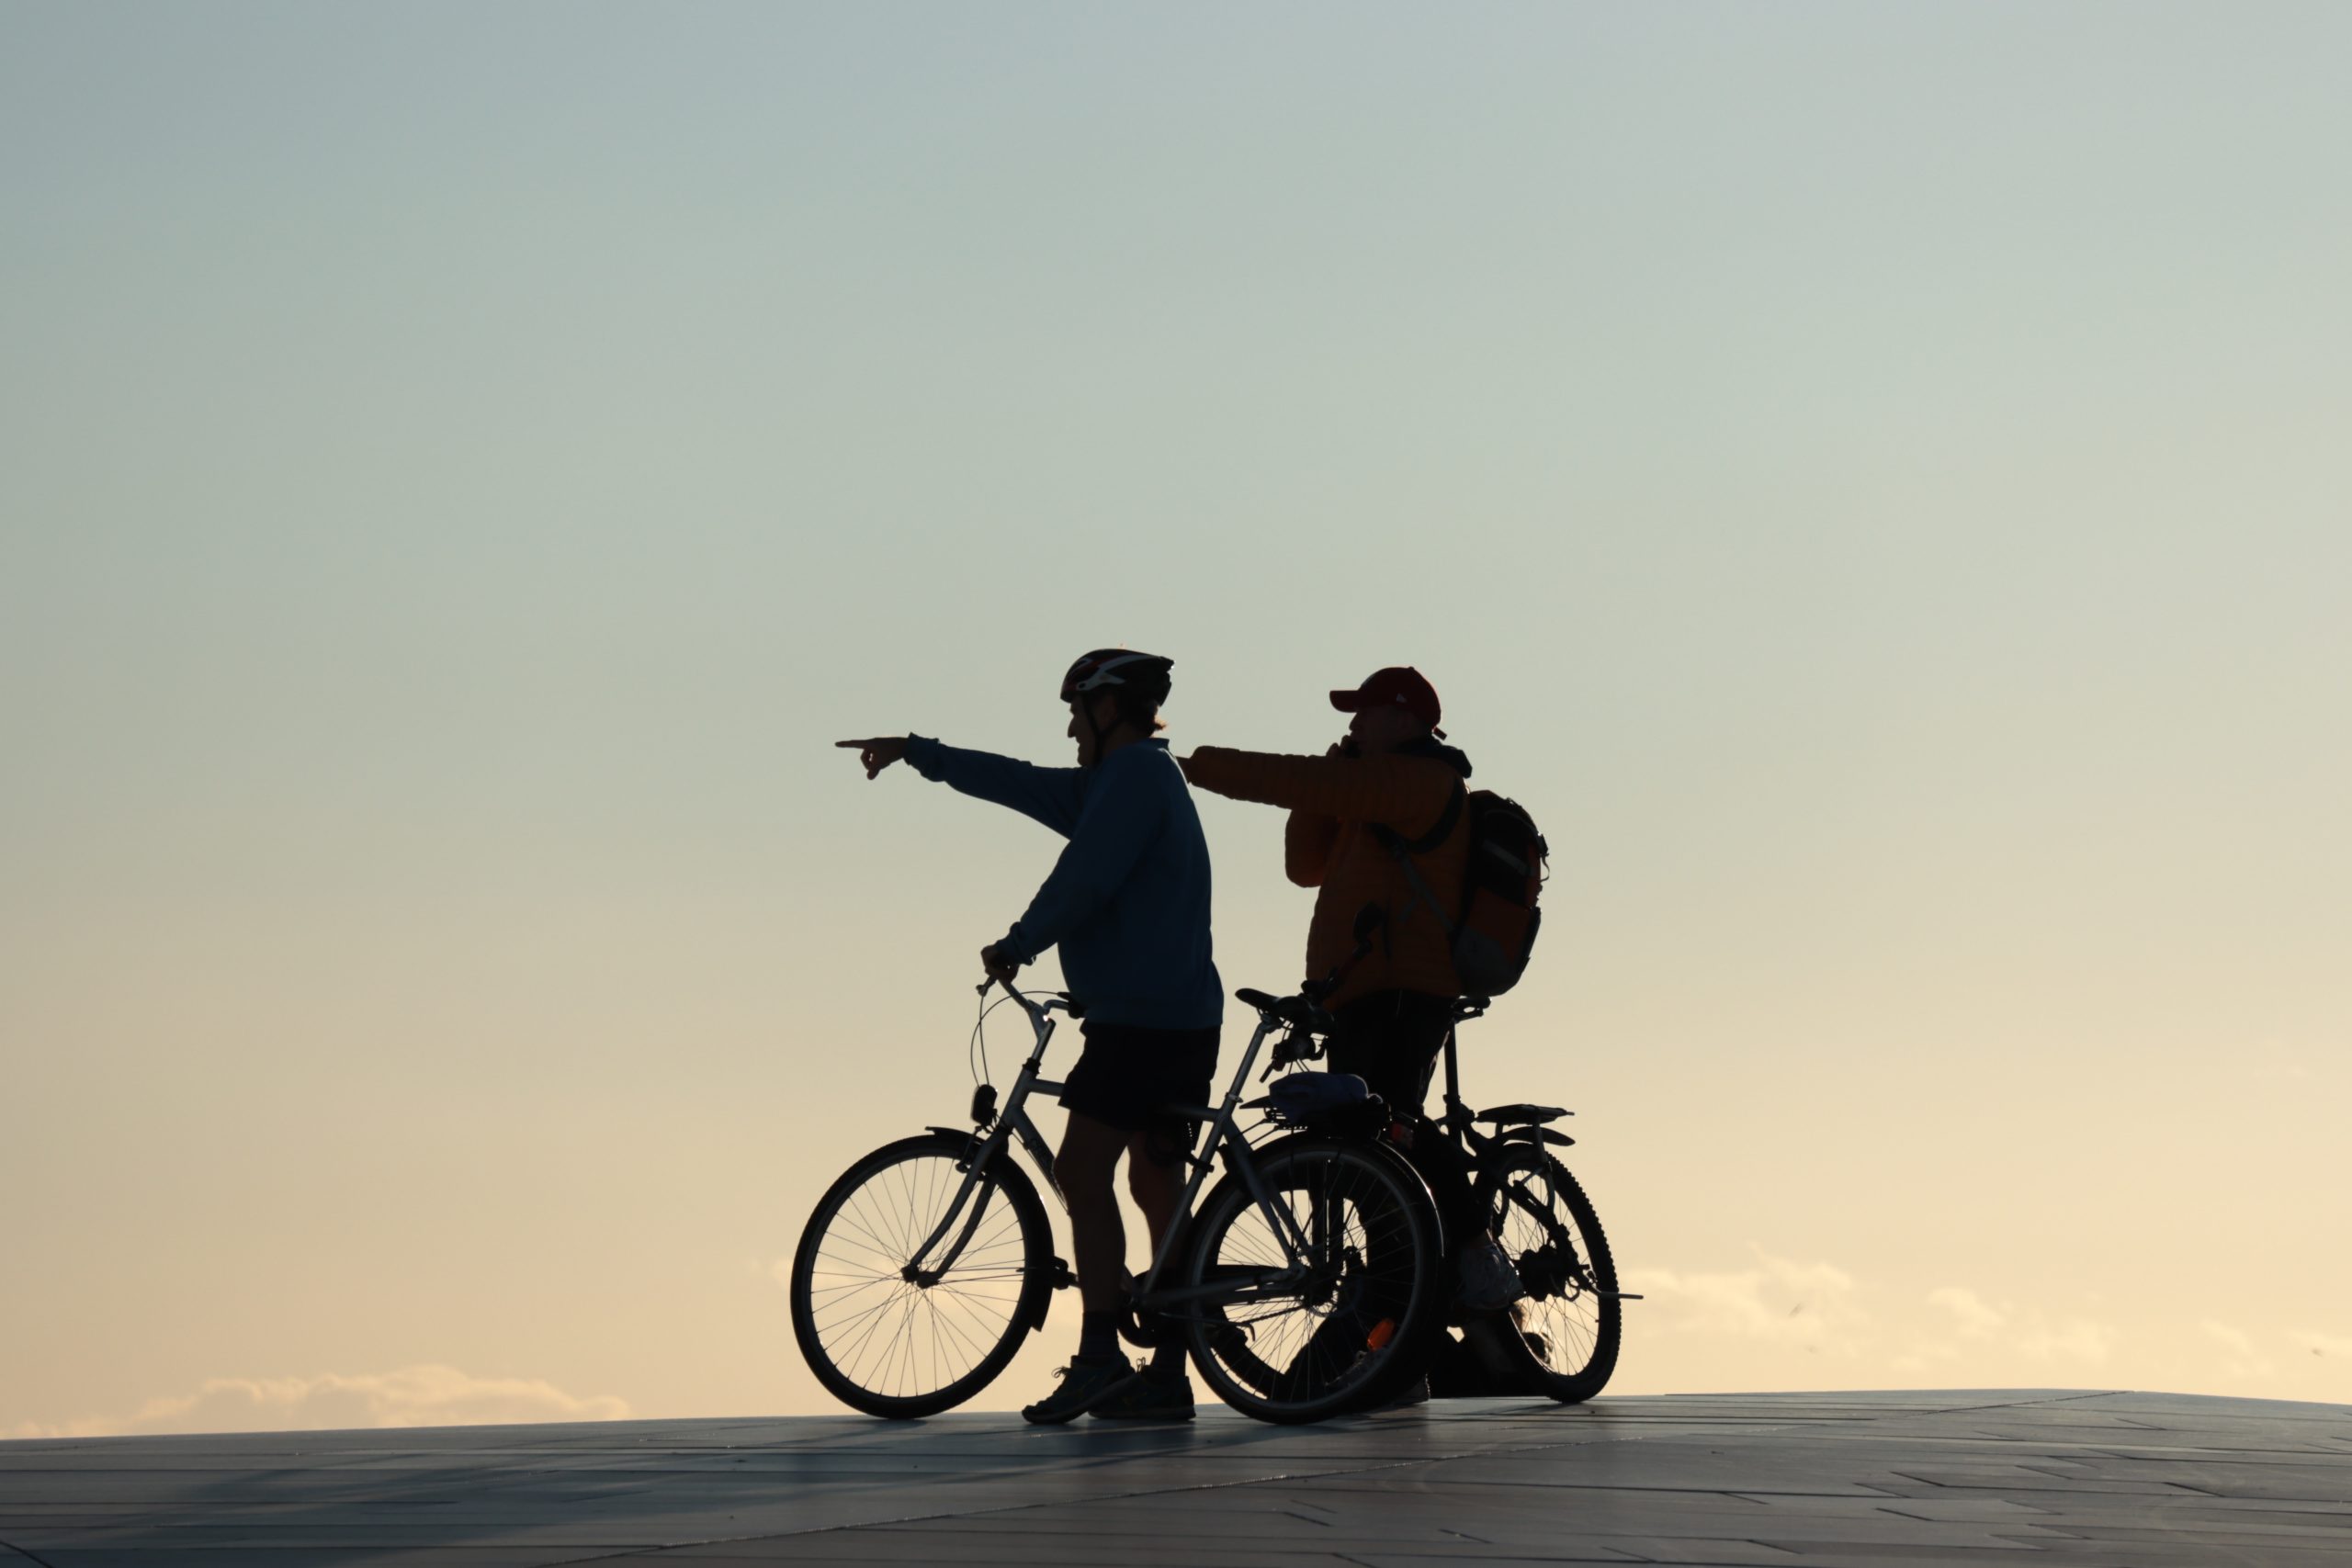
(1100, 734)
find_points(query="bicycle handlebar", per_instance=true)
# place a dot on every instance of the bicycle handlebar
(1302, 1013)
(1035, 1010)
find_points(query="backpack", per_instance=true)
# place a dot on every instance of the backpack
(1493, 932)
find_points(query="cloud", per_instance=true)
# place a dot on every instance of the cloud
(412, 1396)
(1778, 1301)
(2071, 1339)
(1980, 1330)
(2236, 1339)
(1977, 1319)
(2244, 1360)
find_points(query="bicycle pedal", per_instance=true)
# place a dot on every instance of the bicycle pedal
(1061, 1278)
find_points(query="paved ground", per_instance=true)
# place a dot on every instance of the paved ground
(1785, 1480)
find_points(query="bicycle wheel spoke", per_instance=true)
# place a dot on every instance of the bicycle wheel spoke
(853, 1325)
(945, 1319)
(856, 1347)
(893, 1340)
(864, 1227)
(847, 1310)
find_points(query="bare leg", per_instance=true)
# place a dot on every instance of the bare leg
(1082, 1169)
(1155, 1180)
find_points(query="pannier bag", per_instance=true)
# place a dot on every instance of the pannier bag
(1493, 932)
(1328, 1102)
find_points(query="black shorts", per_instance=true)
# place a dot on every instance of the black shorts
(1126, 1074)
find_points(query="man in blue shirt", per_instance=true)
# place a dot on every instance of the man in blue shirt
(1128, 905)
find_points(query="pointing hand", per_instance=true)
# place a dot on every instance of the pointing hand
(878, 753)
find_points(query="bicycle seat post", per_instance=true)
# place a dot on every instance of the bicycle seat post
(1453, 1106)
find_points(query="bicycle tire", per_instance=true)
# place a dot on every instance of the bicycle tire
(1360, 1334)
(1562, 1341)
(889, 1346)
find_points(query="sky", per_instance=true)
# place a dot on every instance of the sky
(1869, 479)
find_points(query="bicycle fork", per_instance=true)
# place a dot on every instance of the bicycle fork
(1011, 1122)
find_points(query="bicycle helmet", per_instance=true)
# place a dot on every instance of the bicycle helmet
(1146, 673)
(1139, 682)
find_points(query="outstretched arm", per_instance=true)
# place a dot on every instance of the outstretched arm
(1403, 792)
(1050, 796)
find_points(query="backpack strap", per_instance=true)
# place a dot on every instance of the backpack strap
(1435, 835)
(1396, 843)
(1405, 848)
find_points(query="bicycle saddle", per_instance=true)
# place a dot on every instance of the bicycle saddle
(1521, 1116)
(1297, 1011)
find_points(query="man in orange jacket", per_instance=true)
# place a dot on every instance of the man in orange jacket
(1391, 787)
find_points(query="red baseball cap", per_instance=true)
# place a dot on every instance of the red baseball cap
(1399, 685)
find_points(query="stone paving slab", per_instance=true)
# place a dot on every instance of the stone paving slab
(2082, 1480)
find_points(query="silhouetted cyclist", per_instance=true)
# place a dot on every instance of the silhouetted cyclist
(1390, 787)
(1128, 905)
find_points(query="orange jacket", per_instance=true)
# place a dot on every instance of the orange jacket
(1329, 844)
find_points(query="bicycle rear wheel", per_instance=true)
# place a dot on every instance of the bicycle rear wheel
(1568, 1327)
(1292, 1338)
(887, 1339)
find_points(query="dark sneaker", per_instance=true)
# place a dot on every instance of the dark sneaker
(1085, 1384)
(1488, 1282)
(1416, 1392)
(1148, 1397)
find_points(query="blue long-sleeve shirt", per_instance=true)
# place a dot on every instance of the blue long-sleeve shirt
(1128, 901)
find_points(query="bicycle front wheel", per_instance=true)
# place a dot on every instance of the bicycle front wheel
(1562, 1341)
(891, 1340)
(1325, 1306)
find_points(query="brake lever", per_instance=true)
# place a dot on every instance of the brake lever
(1282, 1056)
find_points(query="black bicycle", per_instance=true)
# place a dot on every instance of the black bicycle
(1305, 1283)
(1561, 1340)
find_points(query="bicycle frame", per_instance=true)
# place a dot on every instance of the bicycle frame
(1457, 1121)
(1011, 1122)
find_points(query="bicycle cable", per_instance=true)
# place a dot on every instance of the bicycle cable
(980, 1041)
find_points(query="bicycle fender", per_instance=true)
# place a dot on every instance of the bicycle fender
(1525, 1135)
(963, 1135)
(1037, 1291)
(1436, 1212)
